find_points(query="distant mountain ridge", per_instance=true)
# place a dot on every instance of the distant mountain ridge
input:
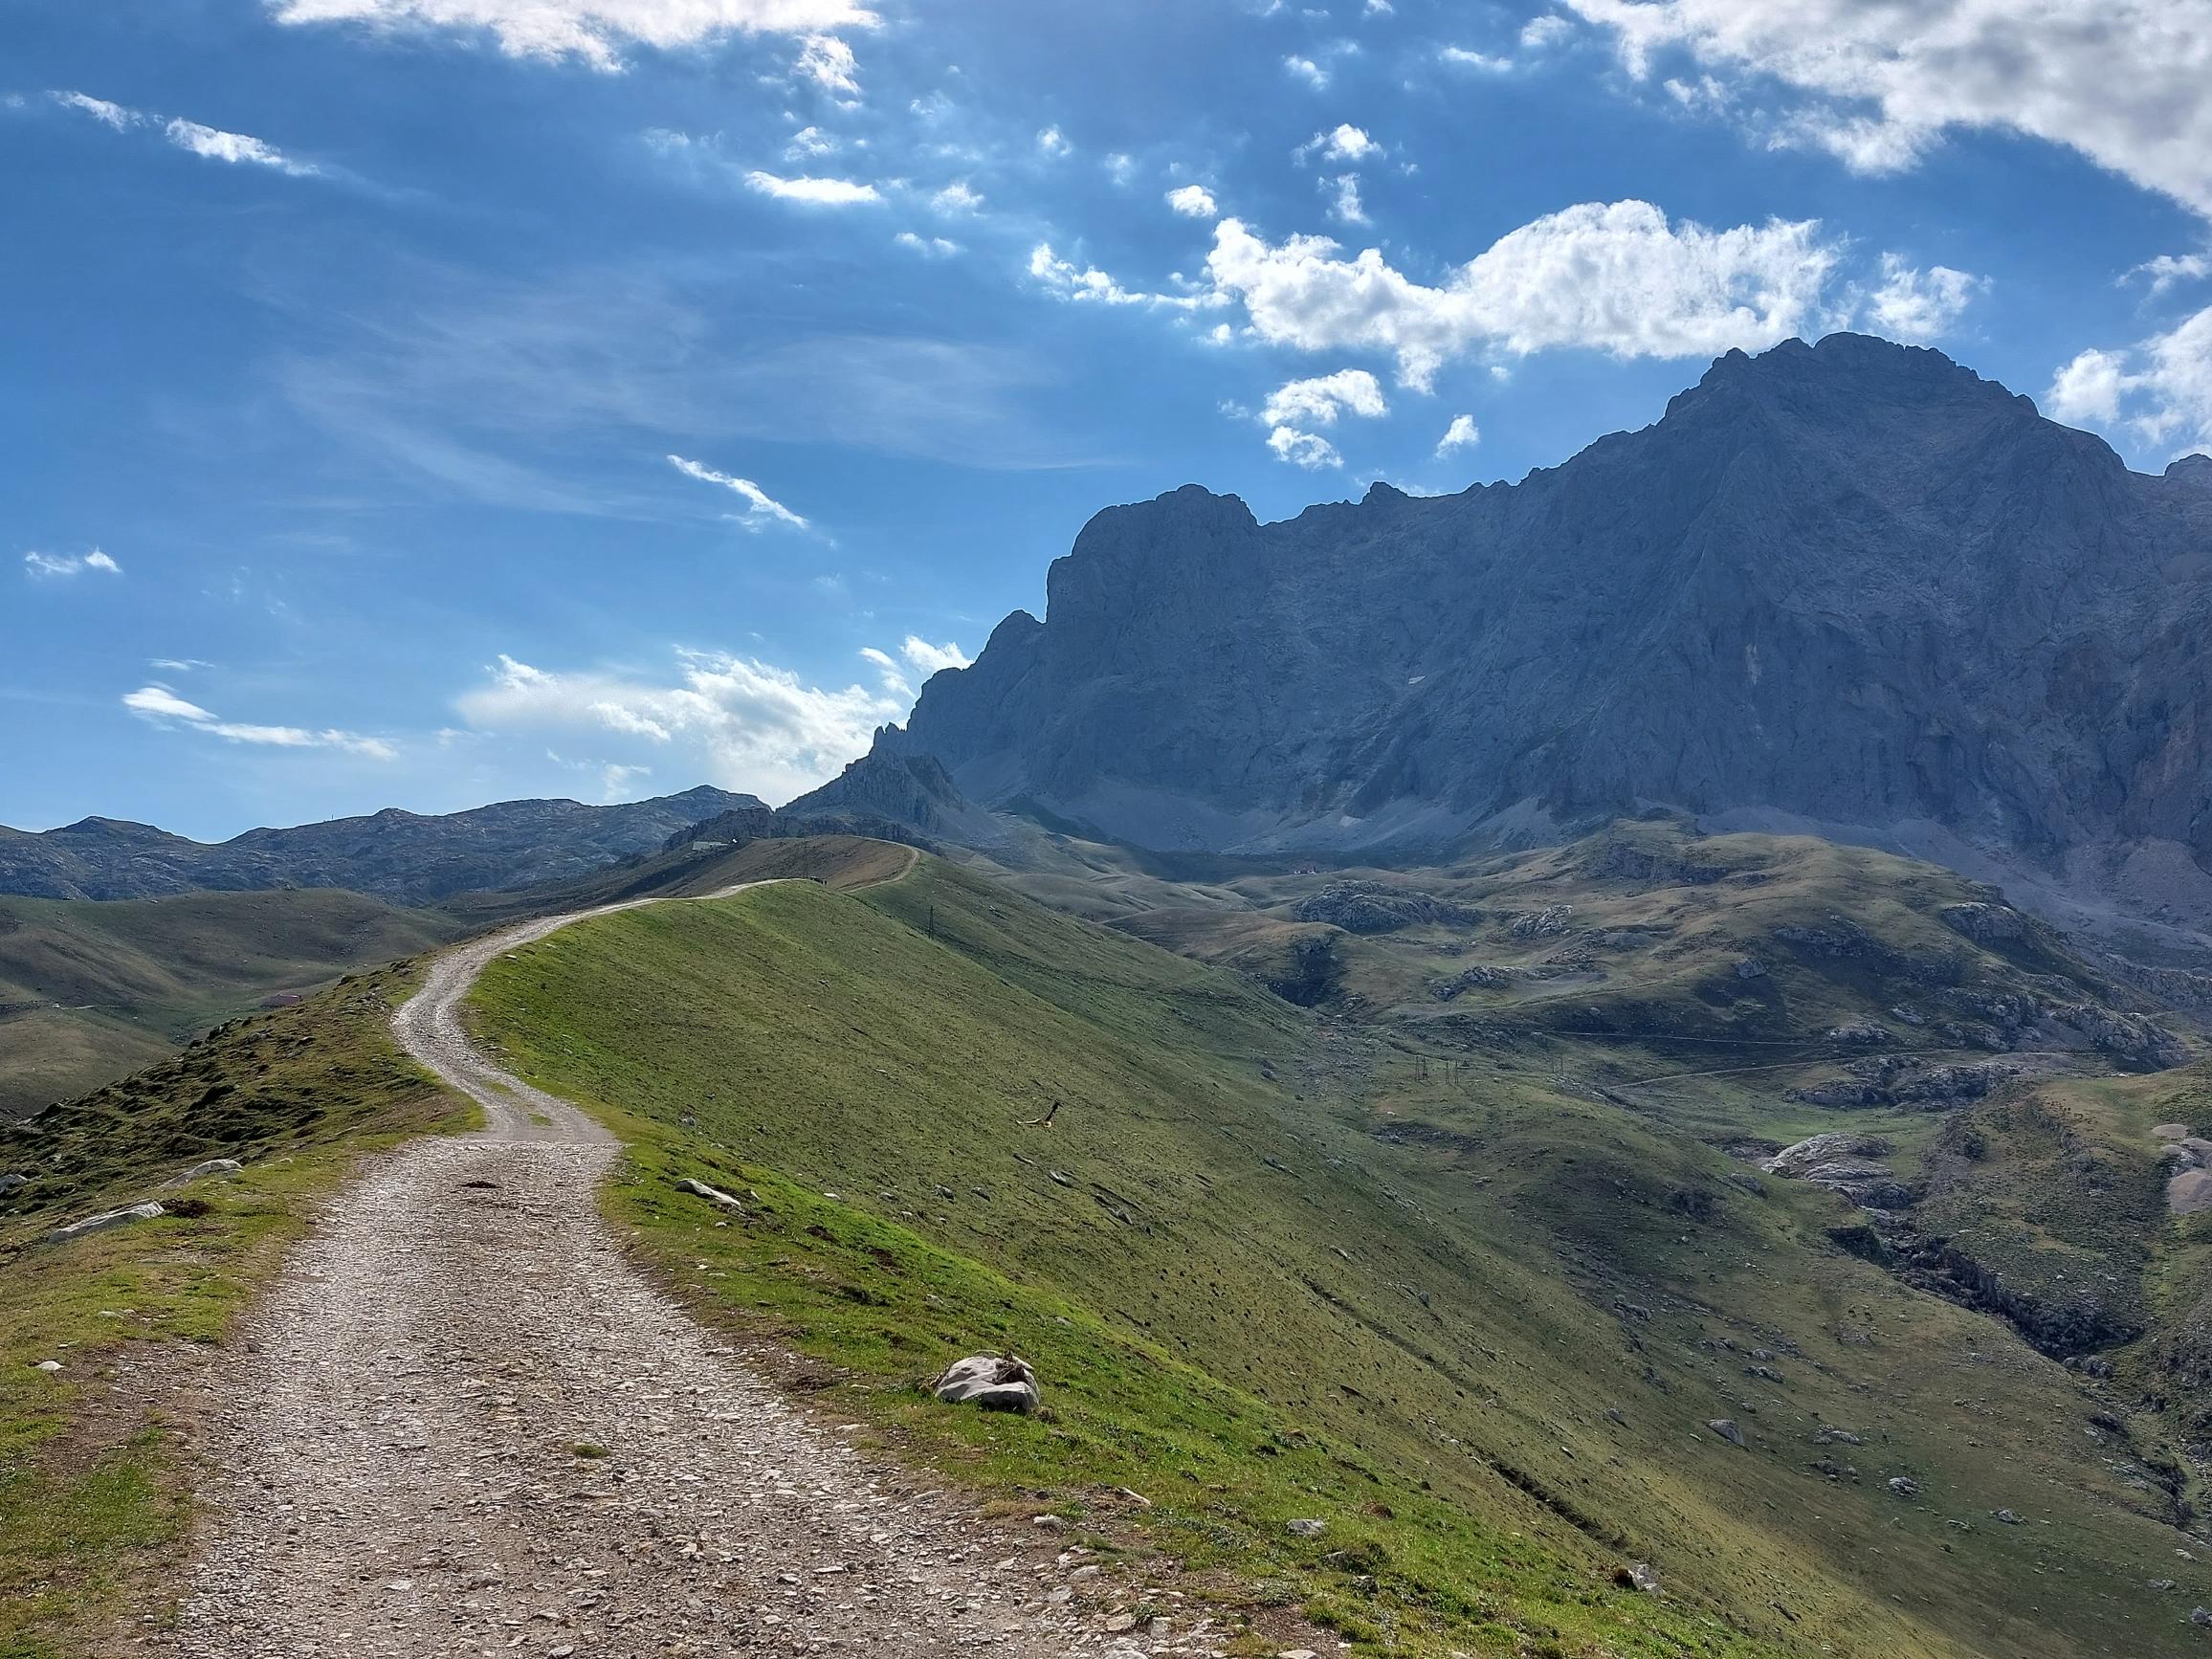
(405, 856)
(1852, 587)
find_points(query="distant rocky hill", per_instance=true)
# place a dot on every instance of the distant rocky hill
(399, 855)
(1851, 589)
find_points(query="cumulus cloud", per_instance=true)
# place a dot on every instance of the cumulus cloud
(2127, 83)
(234, 147)
(594, 31)
(929, 658)
(813, 192)
(761, 507)
(1346, 142)
(928, 246)
(160, 706)
(1193, 201)
(113, 115)
(1461, 434)
(1087, 283)
(1616, 278)
(1307, 450)
(1916, 305)
(829, 64)
(1547, 30)
(1320, 400)
(808, 143)
(746, 724)
(45, 566)
(1296, 406)
(2168, 269)
(1053, 142)
(1462, 58)
(1344, 204)
(1305, 68)
(957, 198)
(2159, 390)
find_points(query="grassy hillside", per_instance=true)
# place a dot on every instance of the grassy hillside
(1468, 1306)
(90, 992)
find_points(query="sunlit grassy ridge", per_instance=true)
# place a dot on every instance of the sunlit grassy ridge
(1485, 1356)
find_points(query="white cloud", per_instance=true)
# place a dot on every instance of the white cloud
(43, 565)
(814, 192)
(810, 142)
(234, 147)
(928, 246)
(957, 198)
(114, 115)
(747, 724)
(1344, 144)
(1307, 450)
(595, 30)
(1461, 57)
(1067, 280)
(1305, 68)
(930, 658)
(1461, 434)
(163, 707)
(1193, 201)
(1917, 305)
(1318, 400)
(1344, 205)
(1547, 30)
(1119, 167)
(1053, 142)
(1297, 406)
(1614, 277)
(2168, 269)
(2127, 83)
(829, 63)
(761, 507)
(2160, 391)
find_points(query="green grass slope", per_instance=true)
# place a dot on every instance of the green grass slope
(1273, 1266)
(90, 993)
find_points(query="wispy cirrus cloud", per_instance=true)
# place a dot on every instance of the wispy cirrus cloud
(599, 32)
(761, 508)
(162, 707)
(50, 566)
(194, 138)
(812, 192)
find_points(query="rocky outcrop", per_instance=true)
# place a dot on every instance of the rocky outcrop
(1849, 587)
(1846, 1165)
(993, 1382)
(398, 855)
(1379, 907)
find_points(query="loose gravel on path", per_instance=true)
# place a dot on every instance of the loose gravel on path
(464, 1424)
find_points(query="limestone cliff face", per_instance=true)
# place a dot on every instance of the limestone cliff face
(1845, 585)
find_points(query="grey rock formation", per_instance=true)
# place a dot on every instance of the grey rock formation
(394, 855)
(994, 1382)
(100, 1223)
(1379, 907)
(1851, 588)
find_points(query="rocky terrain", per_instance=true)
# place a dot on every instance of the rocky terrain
(1851, 588)
(404, 856)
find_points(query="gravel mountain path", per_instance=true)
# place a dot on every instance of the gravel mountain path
(465, 1425)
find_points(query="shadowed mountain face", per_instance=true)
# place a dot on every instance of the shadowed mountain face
(1852, 587)
(394, 855)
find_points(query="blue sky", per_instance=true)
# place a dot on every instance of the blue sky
(427, 402)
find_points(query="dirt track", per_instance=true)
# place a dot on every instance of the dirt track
(407, 1459)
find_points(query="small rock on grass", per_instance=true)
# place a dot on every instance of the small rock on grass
(714, 1195)
(103, 1221)
(1727, 1430)
(1308, 1528)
